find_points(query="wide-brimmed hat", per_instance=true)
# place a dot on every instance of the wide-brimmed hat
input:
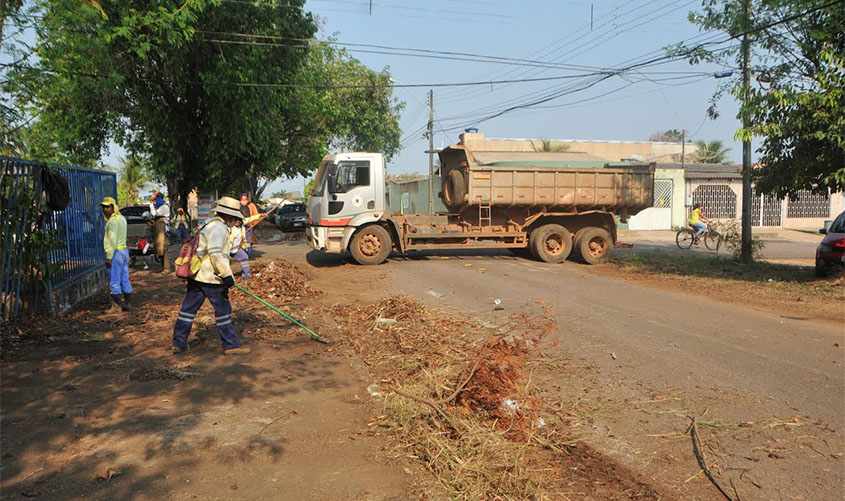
(228, 206)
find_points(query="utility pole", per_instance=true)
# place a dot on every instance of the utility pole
(746, 255)
(683, 148)
(431, 151)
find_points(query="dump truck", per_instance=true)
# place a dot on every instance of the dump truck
(528, 205)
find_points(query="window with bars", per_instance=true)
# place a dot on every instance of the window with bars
(809, 204)
(717, 200)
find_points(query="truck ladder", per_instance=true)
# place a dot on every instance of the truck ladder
(485, 213)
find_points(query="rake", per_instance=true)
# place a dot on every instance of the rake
(314, 335)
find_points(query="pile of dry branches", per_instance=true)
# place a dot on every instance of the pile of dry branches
(457, 395)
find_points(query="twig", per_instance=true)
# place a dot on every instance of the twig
(428, 402)
(462, 385)
(270, 423)
(699, 455)
(36, 471)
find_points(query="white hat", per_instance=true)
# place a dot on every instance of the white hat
(228, 206)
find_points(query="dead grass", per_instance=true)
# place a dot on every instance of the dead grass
(786, 289)
(458, 396)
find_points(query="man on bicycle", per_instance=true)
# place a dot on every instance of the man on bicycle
(695, 220)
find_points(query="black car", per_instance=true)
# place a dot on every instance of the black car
(137, 226)
(291, 217)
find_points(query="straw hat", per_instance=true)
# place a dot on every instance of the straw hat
(228, 206)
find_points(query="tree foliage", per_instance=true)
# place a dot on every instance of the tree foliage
(133, 178)
(179, 84)
(796, 107)
(668, 136)
(711, 152)
(549, 146)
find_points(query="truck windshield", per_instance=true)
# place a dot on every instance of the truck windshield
(349, 174)
(319, 179)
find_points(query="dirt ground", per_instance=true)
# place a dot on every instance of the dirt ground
(95, 406)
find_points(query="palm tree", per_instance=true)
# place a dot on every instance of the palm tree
(547, 146)
(712, 152)
(132, 178)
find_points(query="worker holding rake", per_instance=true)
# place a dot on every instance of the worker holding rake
(212, 281)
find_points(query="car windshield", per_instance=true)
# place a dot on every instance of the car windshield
(838, 225)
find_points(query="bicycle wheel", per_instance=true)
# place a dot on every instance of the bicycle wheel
(684, 238)
(712, 240)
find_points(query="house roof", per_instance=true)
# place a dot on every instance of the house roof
(705, 171)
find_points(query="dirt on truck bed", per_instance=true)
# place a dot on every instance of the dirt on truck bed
(95, 405)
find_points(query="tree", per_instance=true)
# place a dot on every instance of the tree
(207, 111)
(280, 194)
(547, 145)
(711, 152)
(796, 108)
(668, 136)
(133, 178)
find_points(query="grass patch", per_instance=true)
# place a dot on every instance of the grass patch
(727, 269)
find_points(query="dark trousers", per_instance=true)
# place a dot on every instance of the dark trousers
(218, 296)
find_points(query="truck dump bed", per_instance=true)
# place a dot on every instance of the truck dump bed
(543, 182)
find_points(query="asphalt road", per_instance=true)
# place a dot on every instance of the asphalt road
(664, 338)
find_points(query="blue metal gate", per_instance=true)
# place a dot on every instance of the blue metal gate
(43, 250)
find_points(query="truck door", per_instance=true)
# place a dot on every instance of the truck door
(351, 190)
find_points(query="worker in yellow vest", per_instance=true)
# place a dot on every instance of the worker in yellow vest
(117, 256)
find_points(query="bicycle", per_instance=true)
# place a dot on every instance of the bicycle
(685, 238)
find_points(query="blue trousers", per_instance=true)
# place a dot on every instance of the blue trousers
(700, 228)
(182, 233)
(249, 241)
(119, 273)
(218, 296)
(243, 259)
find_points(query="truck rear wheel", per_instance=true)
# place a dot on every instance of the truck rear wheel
(551, 243)
(371, 245)
(593, 245)
(454, 189)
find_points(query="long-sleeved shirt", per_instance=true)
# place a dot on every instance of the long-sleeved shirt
(115, 238)
(162, 211)
(213, 250)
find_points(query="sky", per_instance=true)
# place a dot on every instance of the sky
(565, 47)
(532, 35)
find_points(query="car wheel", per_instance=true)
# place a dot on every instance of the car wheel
(821, 268)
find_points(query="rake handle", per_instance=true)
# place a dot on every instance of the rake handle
(314, 335)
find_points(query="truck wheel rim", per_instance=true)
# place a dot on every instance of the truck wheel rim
(597, 246)
(554, 244)
(370, 245)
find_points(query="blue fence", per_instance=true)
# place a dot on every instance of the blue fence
(43, 250)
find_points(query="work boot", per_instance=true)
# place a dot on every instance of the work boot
(177, 350)
(115, 304)
(127, 297)
(240, 350)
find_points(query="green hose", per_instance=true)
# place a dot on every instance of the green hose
(314, 335)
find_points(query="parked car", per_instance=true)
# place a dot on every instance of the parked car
(830, 254)
(137, 217)
(291, 217)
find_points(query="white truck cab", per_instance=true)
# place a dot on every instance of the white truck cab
(348, 194)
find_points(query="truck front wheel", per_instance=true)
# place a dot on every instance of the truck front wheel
(593, 245)
(552, 243)
(371, 245)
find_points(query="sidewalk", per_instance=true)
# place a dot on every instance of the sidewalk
(773, 234)
(96, 406)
